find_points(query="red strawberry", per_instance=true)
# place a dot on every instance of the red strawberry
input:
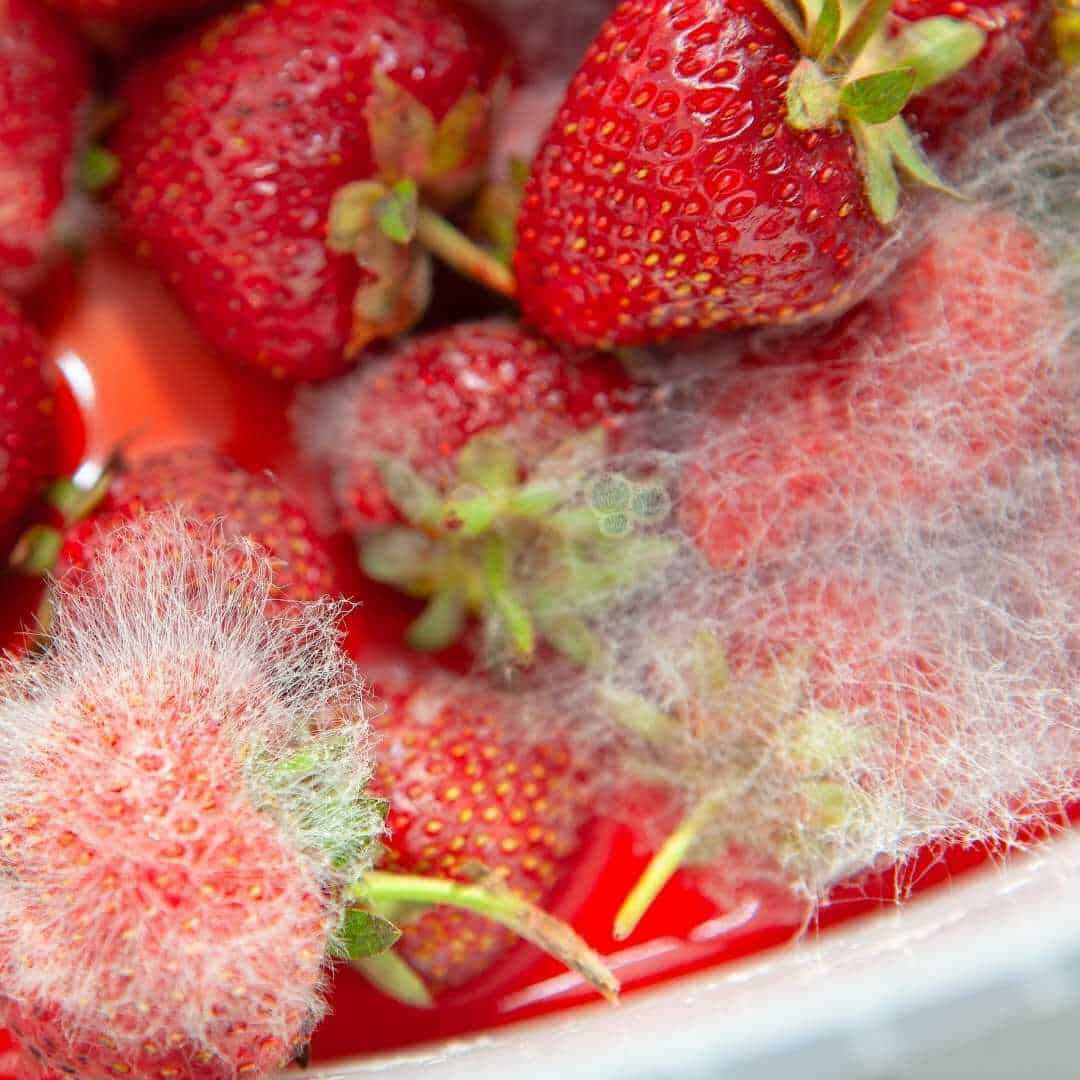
(255, 157)
(26, 424)
(704, 172)
(183, 812)
(920, 402)
(468, 799)
(1002, 80)
(773, 718)
(44, 91)
(128, 11)
(211, 488)
(451, 460)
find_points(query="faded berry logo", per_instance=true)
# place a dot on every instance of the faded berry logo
(621, 505)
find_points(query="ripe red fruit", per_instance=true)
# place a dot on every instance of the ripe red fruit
(1002, 80)
(451, 458)
(128, 11)
(210, 488)
(914, 408)
(471, 795)
(698, 176)
(183, 812)
(238, 139)
(26, 419)
(44, 93)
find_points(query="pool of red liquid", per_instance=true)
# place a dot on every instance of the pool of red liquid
(138, 377)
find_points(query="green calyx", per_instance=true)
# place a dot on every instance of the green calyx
(762, 724)
(534, 560)
(1065, 31)
(98, 169)
(38, 549)
(314, 790)
(854, 72)
(392, 235)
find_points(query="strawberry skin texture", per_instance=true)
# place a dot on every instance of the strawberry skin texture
(671, 197)
(463, 796)
(211, 488)
(27, 407)
(237, 139)
(433, 394)
(1001, 81)
(128, 11)
(919, 401)
(44, 91)
(209, 859)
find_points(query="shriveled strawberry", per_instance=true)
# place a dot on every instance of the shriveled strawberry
(269, 163)
(211, 488)
(44, 92)
(1014, 64)
(183, 814)
(457, 461)
(720, 164)
(913, 409)
(470, 799)
(26, 419)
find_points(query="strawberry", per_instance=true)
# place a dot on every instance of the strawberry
(467, 798)
(26, 419)
(457, 461)
(1014, 64)
(916, 407)
(185, 807)
(766, 726)
(716, 165)
(44, 92)
(209, 488)
(270, 163)
(183, 814)
(128, 11)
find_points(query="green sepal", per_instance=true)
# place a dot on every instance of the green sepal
(906, 153)
(345, 827)
(488, 461)
(390, 974)
(37, 550)
(1065, 31)
(98, 169)
(812, 99)
(419, 502)
(879, 176)
(364, 934)
(876, 98)
(441, 623)
(400, 556)
(826, 30)
(866, 25)
(396, 213)
(937, 48)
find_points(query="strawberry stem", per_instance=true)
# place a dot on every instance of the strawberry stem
(459, 252)
(500, 905)
(391, 974)
(37, 550)
(865, 25)
(781, 11)
(672, 854)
